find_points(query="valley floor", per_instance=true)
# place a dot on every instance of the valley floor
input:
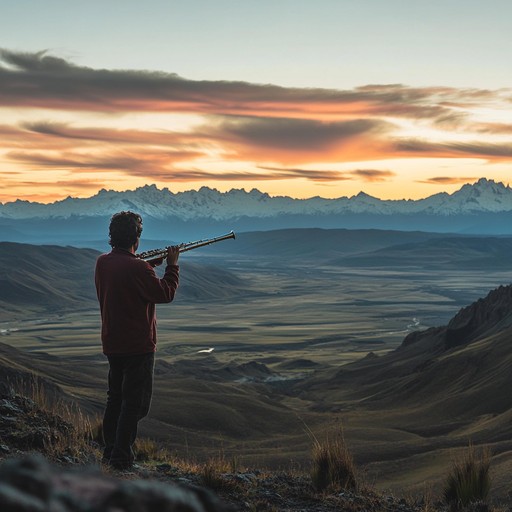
(293, 322)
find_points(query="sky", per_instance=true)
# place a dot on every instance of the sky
(397, 98)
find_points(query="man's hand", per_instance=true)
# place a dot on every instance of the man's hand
(173, 254)
(156, 262)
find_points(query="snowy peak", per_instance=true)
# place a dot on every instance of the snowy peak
(484, 195)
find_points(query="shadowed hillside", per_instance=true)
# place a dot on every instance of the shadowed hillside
(439, 253)
(50, 278)
(35, 278)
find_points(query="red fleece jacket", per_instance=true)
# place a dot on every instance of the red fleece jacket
(128, 289)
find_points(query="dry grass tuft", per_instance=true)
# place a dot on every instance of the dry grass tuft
(332, 464)
(70, 429)
(211, 472)
(148, 450)
(468, 483)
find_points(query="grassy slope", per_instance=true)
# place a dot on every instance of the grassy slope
(416, 403)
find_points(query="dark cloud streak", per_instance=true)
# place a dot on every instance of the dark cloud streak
(176, 140)
(455, 149)
(368, 175)
(447, 180)
(309, 174)
(42, 80)
(293, 134)
(372, 175)
(154, 164)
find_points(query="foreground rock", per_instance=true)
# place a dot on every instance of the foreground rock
(31, 484)
(76, 482)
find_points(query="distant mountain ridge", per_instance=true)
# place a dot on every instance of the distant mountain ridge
(483, 196)
(483, 208)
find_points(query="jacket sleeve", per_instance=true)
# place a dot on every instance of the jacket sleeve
(156, 290)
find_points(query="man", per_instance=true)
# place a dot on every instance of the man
(128, 289)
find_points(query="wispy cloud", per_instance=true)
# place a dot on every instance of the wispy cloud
(128, 136)
(494, 128)
(488, 151)
(72, 184)
(448, 180)
(373, 174)
(309, 174)
(368, 175)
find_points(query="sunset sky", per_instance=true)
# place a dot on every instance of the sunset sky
(399, 98)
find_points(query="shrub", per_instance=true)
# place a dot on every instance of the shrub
(332, 464)
(149, 450)
(211, 473)
(468, 481)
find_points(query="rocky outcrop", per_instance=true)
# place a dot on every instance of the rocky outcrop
(486, 315)
(24, 426)
(56, 482)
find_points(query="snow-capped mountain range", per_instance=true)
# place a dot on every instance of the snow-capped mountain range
(484, 196)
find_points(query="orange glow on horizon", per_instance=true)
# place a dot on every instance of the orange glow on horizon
(298, 189)
(120, 130)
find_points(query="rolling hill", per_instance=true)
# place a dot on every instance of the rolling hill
(453, 252)
(35, 279)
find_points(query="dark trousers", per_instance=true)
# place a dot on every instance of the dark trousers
(130, 386)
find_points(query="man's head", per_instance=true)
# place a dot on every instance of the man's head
(125, 230)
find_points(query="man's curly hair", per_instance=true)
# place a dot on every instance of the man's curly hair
(124, 230)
